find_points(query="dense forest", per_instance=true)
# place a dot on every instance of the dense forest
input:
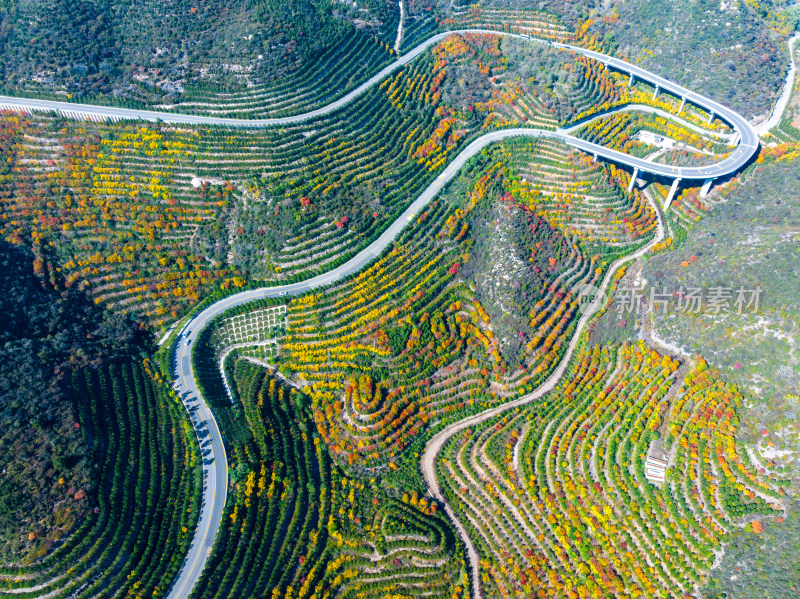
(45, 334)
(151, 49)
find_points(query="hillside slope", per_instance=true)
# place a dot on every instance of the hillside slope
(154, 51)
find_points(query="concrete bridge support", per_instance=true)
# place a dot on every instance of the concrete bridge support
(683, 103)
(630, 81)
(710, 117)
(706, 187)
(671, 195)
(736, 138)
(655, 93)
(633, 179)
(594, 157)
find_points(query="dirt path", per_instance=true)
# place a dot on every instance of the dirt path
(437, 442)
(400, 31)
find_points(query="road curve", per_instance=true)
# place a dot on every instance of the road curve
(749, 138)
(214, 464)
(215, 468)
(748, 142)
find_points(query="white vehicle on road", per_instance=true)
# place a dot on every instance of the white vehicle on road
(215, 471)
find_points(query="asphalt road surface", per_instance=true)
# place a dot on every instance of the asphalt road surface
(748, 143)
(215, 467)
(216, 471)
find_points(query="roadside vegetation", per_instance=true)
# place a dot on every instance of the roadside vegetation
(326, 399)
(555, 494)
(233, 57)
(296, 524)
(147, 219)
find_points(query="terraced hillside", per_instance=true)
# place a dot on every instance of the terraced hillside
(625, 480)
(732, 50)
(108, 210)
(259, 58)
(556, 497)
(237, 56)
(653, 136)
(335, 71)
(295, 525)
(415, 338)
(132, 532)
(535, 23)
(251, 59)
(148, 219)
(585, 199)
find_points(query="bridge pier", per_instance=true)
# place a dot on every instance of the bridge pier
(655, 93)
(706, 187)
(594, 157)
(630, 81)
(736, 138)
(683, 103)
(710, 117)
(633, 179)
(671, 195)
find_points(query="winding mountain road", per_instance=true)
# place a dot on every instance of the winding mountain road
(718, 135)
(215, 468)
(748, 138)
